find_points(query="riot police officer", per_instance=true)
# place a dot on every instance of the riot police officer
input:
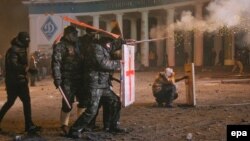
(67, 71)
(99, 67)
(16, 65)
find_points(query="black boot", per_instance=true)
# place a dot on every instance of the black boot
(65, 129)
(32, 129)
(117, 129)
(75, 133)
(92, 125)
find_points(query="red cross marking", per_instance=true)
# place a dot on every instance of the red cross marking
(129, 73)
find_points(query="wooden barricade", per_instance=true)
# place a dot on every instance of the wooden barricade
(190, 84)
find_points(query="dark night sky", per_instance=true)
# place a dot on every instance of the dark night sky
(14, 18)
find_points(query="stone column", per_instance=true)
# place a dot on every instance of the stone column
(33, 22)
(119, 21)
(170, 48)
(96, 21)
(159, 44)
(198, 38)
(229, 48)
(108, 25)
(133, 30)
(217, 47)
(144, 36)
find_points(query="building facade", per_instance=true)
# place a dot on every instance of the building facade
(137, 19)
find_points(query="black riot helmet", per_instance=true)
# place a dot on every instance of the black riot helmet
(70, 33)
(90, 31)
(69, 29)
(24, 38)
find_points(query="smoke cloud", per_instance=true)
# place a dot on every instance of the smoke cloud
(233, 14)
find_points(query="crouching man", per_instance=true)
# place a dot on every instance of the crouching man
(164, 89)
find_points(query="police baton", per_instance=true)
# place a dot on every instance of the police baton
(64, 97)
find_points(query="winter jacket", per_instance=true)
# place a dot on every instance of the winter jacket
(16, 63)
(99, 64)
(67, 61)
(159, 82)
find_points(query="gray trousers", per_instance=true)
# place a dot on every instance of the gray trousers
(111, 109)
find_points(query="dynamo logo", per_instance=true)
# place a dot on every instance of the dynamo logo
(49, 28)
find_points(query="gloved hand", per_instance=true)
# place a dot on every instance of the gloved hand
(57, 82)
(123, 41)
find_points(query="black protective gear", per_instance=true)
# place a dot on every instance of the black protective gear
(117, 129)
(16, 64)
(75, 134)
(67, 66)
(67, 61)
(32, 129)
(90, 31)
(24, 38)
(74, 89)
(70, 34)
(69, 29)
(100, 66)
(111, 108)
(72, 37)
(16, 80)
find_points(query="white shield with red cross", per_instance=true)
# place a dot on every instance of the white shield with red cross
(128, 76)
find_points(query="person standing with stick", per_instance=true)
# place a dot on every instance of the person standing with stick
(67, 72)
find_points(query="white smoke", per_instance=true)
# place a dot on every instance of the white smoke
(188, 22)
(233, 14)
(221, 13)
(228, 13)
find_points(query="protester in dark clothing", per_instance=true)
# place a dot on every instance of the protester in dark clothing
(164, 89)
(16, 65)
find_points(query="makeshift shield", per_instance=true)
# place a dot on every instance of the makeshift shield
(127, 76)
(190, 84)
